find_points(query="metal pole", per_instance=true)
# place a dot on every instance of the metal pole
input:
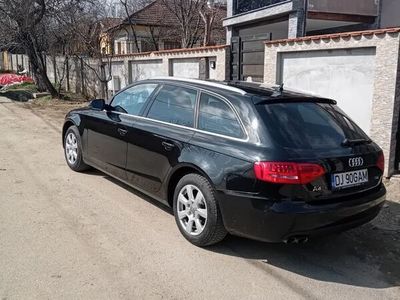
(305, 17)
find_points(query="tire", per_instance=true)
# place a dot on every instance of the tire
(204, 231)
(72, 142)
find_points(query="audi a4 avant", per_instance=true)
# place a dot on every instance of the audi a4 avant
(234, 157)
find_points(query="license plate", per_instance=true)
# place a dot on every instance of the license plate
(349, 179)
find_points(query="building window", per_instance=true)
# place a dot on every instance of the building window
(147, 46)
(131, 47)
(242, 6)
(169, 45)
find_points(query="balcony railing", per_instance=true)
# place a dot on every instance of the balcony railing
(242, 6)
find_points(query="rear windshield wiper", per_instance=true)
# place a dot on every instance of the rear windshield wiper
(349, 143)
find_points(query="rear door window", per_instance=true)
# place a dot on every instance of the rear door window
(174, 105)
(216, 116)
(304, 125)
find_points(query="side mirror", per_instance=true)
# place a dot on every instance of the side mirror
(98, 104)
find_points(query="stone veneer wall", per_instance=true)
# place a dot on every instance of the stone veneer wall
(386, 95)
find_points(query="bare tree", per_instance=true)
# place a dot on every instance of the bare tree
(81, 28)
(23, 21)
(37, 27)
(211, 12)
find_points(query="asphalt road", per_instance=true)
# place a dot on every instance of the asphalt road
(65, 235)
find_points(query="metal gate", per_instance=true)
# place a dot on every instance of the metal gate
(247, 57)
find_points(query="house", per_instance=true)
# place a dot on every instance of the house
(250, 22)
(154, 28)
(105, 38)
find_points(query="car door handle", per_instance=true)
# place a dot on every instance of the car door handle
(168, 146)
(122, 131)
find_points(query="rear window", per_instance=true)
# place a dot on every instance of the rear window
(217, 117)
(305, 125)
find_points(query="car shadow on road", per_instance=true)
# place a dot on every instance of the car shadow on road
(368, 256)
(132, 190)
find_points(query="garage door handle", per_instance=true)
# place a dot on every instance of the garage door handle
(168, 146)
(122, 131)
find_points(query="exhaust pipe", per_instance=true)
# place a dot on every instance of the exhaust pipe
(297, 239)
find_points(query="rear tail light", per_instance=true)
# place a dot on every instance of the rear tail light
(288, 172)
(380, 163)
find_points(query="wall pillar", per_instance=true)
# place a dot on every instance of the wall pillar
(229, 32)
(296, 24)
(298, 19)
(128, 72)
(229, 8)
(204, 72)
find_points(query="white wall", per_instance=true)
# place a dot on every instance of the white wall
(344, 75)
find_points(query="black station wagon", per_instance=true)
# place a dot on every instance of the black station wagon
(233, 157)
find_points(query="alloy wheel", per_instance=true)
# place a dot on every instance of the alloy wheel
(192, 210)
(71, 148)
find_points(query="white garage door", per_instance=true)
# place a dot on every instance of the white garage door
(146, 69)
(344, 75)
(186, 68)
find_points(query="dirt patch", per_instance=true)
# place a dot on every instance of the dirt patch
(54, 108)
(104, 227)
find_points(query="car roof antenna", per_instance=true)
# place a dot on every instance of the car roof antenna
(281, 87)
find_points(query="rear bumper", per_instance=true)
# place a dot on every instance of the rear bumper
(269, 221)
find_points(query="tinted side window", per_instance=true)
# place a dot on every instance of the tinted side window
(216, 116)
(174, 105)
(132, 100)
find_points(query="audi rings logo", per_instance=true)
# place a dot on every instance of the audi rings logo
(356, 162)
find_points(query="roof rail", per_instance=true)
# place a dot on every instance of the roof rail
(204, 82)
